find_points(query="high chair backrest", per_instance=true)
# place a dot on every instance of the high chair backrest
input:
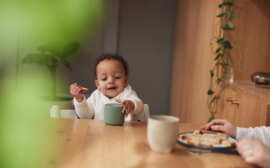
(56, 113)
(145, 114)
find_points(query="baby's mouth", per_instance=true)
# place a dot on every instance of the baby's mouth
(112, 88)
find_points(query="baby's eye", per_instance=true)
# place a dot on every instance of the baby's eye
(117, 77)
(104, 79)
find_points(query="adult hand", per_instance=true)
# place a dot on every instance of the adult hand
(128, 106)
(221, 125)
(253, 151)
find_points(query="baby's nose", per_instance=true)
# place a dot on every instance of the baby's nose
(111, 79)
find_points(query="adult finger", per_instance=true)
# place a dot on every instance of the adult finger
(215, 122)
(203, 127)
(219, 128)
(252, 159)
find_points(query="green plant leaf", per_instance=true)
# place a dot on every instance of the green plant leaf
(210, 92)
(70, 49)
(218, 50)
(218, 80)
(46, 47)
(227, 4)
(230, 25)
(220, 15)
(220, 41)
(247, 69)
(227, 27)
(223, 64)
(227, 45)
(211, 73)
(219, 55)
(231, 14)
(210, 119)
(220, 5)
(225, 74)
(29, 59)
(215, 98)
(231, 61)
(66, 63)
(41, 59)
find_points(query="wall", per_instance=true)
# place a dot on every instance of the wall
(146, 31)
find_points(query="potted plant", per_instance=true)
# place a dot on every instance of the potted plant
(223, 60)
(52, 55)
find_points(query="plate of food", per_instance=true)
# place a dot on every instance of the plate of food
(207, 141)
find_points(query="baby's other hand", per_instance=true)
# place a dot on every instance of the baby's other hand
(128, 106)
(75, 90)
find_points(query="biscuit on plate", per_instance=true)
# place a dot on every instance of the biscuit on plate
(197, 132)
(194, 138)
(216, 140)
(184, 136)
(228, 143)
(222, 136)
(193, 142)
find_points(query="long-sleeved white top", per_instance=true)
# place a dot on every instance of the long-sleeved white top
(262, 133)
(93, 107)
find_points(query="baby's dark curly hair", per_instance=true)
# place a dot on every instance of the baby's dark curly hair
(109, 56)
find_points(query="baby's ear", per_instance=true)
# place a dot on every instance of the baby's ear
(97, 83)
(126, 80)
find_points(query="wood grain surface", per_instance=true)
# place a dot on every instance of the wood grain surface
(192, 60)
(85, 143)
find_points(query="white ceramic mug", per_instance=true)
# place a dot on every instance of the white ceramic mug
(162, 133)
(68, 114)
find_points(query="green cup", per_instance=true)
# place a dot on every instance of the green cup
(113, 114)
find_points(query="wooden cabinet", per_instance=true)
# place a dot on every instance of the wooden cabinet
(250, 107)
(193, 59)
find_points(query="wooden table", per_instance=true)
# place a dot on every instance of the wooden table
(82, 143)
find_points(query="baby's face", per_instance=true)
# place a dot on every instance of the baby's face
(111, 78)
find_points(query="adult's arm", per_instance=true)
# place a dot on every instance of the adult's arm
(262, 133)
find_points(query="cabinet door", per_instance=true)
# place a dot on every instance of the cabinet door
(248, 113)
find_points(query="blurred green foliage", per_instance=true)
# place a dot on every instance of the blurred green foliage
(52, 55)
(51, 19)
(25, 138)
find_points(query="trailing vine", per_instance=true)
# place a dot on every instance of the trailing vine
(223, 59)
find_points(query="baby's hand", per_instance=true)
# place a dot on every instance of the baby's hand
(75, 90)
(128, 106)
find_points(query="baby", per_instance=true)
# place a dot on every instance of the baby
(111, 78)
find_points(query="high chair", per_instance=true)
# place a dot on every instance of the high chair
(56, 113)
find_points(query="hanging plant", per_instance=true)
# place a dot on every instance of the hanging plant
(223, 60)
